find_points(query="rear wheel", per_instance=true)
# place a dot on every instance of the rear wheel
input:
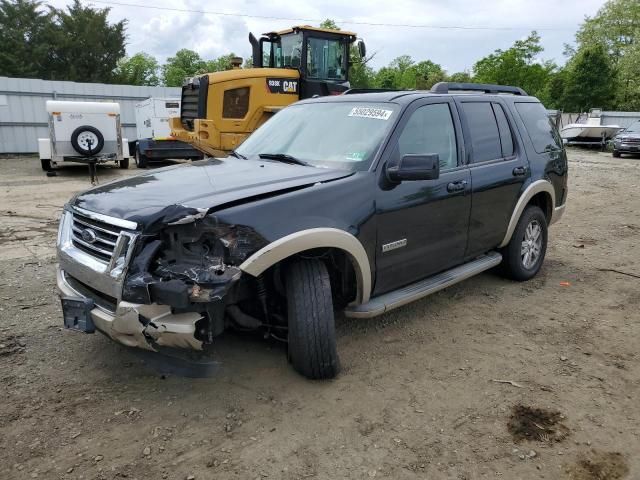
(523, 256)
(141, 159)
(312, 333)
(616, 154)
(46, 164)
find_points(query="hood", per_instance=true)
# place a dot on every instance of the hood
(199, 186)
(628, 135)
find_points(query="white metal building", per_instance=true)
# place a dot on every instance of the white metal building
(23, 116)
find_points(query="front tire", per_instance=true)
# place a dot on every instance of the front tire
(524, 255)
(312, 334)
(616, 154)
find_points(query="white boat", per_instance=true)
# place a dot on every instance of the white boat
(589, 129)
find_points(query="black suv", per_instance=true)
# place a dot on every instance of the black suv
(360, 202)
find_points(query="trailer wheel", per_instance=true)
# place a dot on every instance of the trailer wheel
(141, 159)
(87, 140)
(46, 164)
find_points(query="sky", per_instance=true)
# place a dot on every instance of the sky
(163, 32)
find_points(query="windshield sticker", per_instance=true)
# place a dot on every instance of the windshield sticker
(368, 112)
(355, 156)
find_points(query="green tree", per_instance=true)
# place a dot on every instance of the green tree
(24, 38)
(220, 64)
(140, 69)
(86, 47)
(427, 74)
(628, 92)
(329, 24)
(518, 65)
(460, 77)
(590, 80)
(554, 93)
(185, 63)
(616, 27)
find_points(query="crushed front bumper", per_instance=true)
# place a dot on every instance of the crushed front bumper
(137, 325)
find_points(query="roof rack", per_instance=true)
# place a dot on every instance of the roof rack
(446, 87)
(352, 91)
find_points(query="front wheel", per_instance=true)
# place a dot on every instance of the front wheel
(523, 256)
(312, 333)
(616, 154)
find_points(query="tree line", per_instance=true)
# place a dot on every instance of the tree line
(78, 43)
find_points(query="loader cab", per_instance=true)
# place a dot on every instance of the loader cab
(321, 56)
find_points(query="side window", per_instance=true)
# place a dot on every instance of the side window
(430, 130)
(483, 129)
(542, 132)
(506, 139)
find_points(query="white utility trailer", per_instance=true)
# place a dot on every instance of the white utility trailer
(86, 132)
(154, 140)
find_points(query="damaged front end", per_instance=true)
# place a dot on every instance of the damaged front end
(181, 287)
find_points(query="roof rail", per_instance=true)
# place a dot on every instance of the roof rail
(369, 90)
(446, 87)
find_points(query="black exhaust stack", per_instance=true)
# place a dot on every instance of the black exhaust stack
(255, 51)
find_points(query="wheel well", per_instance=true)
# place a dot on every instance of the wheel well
(344, 283)
(545, 203)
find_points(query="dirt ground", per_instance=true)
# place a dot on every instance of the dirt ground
(487, 379)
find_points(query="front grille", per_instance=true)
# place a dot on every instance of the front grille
(103, 300)
(101, 241)
(194, 101)
(632, 140)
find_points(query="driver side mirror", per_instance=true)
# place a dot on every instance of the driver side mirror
(415, 167)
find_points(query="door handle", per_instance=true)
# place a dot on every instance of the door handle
(456, 186)
(519, 171)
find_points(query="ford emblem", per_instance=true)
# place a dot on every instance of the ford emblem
(89, 235)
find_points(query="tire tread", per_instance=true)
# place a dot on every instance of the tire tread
(312, 345)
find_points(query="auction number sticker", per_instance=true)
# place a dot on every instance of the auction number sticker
(369, 112)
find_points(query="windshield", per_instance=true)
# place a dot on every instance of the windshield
(343, 135)
(634, 128)
(325, 59)
(288, 51)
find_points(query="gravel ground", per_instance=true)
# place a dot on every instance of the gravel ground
(487, 379)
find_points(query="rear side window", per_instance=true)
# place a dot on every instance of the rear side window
(506, 140)
(541, 130)
(483, 129)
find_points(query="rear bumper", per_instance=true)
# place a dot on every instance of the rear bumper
(137, 325)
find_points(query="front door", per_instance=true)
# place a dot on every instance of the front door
(422, 224)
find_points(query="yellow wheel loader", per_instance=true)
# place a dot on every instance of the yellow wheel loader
(219, 110)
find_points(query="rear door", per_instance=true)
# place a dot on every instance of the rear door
(498, 166)
(422, 225)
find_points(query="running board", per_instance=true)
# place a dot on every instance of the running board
(402, 296)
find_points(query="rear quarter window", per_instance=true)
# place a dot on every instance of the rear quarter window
(541, 131)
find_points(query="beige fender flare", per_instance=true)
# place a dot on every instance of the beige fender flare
(315, 238)
(536, 187)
